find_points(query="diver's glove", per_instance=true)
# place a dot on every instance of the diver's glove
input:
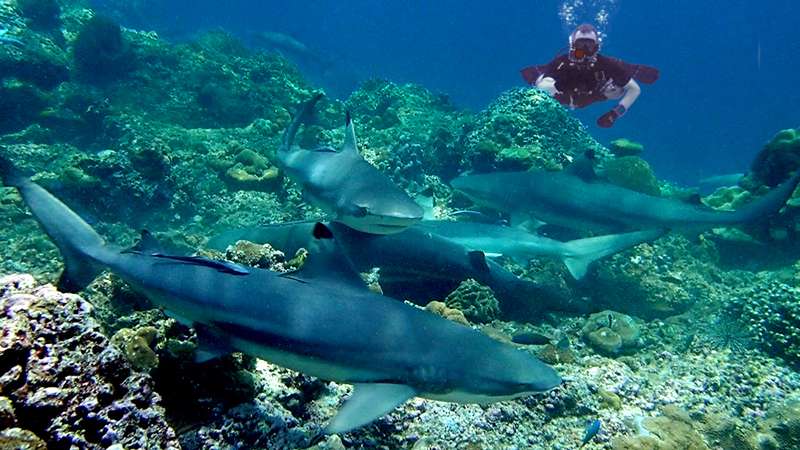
(608, 119)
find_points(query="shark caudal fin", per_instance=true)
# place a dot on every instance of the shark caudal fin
(302, 116)
(367, 403)
(581, 253)
(75, 239)
(769, 204)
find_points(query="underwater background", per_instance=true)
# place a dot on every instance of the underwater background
(729, 68)
(167, 116)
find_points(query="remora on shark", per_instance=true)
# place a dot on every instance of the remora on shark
(321, 320)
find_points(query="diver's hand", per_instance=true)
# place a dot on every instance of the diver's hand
(608, 119)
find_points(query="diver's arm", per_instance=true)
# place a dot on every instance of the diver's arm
(632, 91)
(547, 84)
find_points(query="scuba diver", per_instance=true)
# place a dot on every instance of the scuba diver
(583, 76)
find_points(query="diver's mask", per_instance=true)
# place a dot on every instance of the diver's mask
(584, 43)
(584, 48)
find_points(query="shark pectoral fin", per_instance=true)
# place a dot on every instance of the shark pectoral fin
(367, 403)
(211, 344)
(218, 265)
(578, 266)
(78, 272)
(478, 260)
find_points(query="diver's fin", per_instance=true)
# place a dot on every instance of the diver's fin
(367, 403)
(211, 344)
(350, 144)
(477, 260)
(326, 260)
(583, 252)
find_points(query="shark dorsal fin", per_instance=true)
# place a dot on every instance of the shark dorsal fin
(327, 261)
(147, 244)
(350, 143)
(478, 260)
(583, 167)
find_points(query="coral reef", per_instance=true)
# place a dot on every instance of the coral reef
(625, 147)
(666, 432)
(441, 309)
(66, 383)
(611, 333)
(136, 346)
(633, 173)
(526, 128)
(771, 312)
(476, 301)
(655, 280)
(778, 158)
(43, 14)
(100, 51)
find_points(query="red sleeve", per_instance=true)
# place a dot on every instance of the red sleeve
(532, 73)
(617, 70)
(622, 72)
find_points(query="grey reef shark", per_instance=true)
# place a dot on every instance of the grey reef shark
(321, 320)
(577, 199)
(429, 259)
(345, 185)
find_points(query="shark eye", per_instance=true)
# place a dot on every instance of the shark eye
(360, 211)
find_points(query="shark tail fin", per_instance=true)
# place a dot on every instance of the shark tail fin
(302, 116)
(769, 204)
(583, 252)
(75, 239)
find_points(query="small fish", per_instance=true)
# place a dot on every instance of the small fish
(610, 321)
(591, 431)
(530, 338)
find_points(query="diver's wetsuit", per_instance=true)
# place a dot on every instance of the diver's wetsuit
(580, 84)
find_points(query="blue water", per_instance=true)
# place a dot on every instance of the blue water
(729, 67)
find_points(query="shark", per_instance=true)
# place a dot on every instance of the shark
(578, 200)
(320, 320)
(492, 240)
(513, 242)
(429, 259)
(344, 184)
